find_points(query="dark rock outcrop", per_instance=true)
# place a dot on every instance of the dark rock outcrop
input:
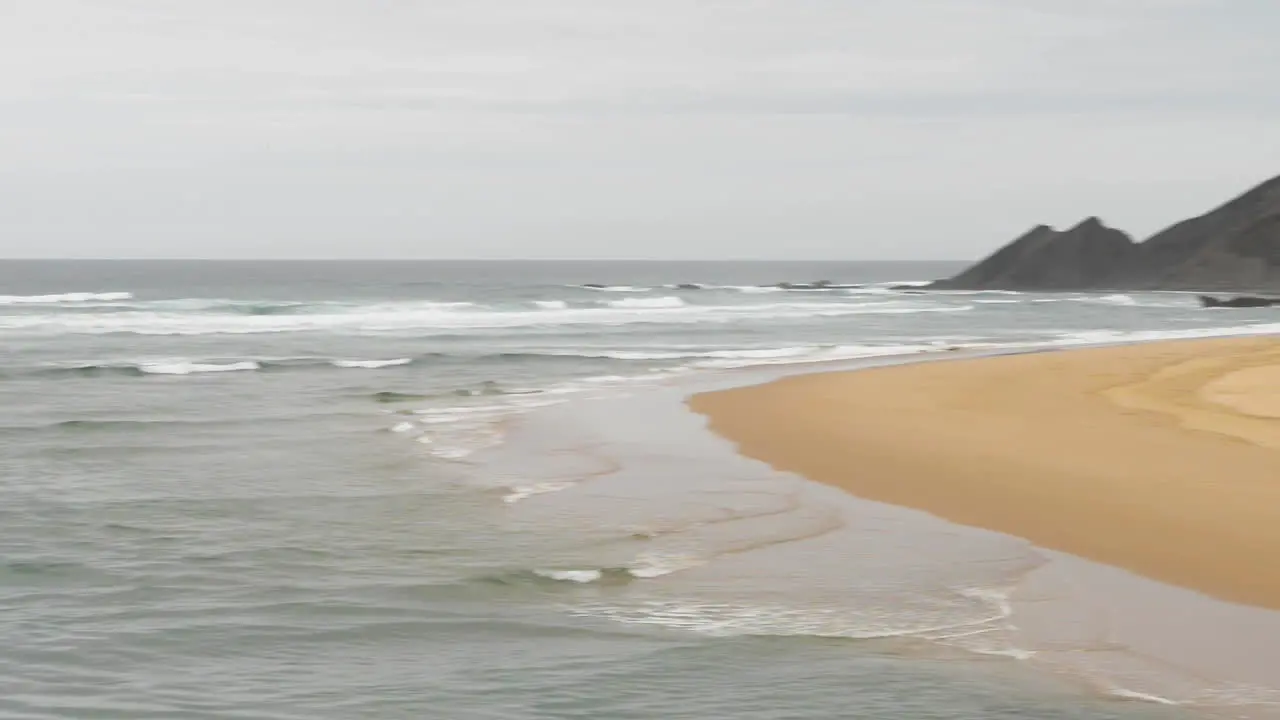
(1244, 301)
(1233, 247)
(1046, 259)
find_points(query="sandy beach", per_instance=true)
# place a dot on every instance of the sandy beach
(1162, 459)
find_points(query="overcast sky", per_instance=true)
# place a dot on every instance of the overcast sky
(853, 129)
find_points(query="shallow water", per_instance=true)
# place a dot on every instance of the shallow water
(285, 490)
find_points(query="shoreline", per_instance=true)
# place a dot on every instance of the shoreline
(743, 548)
(1125, 623)
(1131, 460)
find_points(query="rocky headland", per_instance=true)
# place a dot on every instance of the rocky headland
(1235, 247)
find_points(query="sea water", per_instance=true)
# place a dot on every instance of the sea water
(471, 490)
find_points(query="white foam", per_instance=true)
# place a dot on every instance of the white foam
(452, 414)
(399, 306)
(1114, 299)
(457, 450)
(551, 304)
(1015, 653)
(743, 357)
(651, 565)
(577, 576)
(74, 297)
(1096, 337)
(785, 356)
(524, 492)
(613, 379)
(1127, 694)
(188, 368)
(683, 354)
(722, 619)
(668, 301)
(403, 427)
(371, 363)
(424, 319)
(454, 433)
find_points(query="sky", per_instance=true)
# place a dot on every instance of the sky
(680, 129)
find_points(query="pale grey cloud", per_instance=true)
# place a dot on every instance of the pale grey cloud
(671, 128)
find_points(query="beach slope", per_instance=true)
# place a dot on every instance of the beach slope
(1161, 458)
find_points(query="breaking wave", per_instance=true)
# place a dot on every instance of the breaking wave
(653, 358)
(371, 364)
(190, 368)
(184, 366)
(423, 318)
(60, 298)
(750, 355)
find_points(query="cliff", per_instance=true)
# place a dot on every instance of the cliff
(1233, 247)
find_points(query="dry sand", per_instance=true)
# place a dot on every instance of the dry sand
(1162, 458)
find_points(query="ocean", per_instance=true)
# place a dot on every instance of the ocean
(470, 490)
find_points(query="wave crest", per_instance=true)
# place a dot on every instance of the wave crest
(370, 364)
(189, 368)
(59, 298)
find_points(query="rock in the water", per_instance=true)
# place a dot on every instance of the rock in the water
(1238, 302)
(1235, 247)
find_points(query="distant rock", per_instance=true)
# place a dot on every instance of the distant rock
(1086, 255)
(1233, 247)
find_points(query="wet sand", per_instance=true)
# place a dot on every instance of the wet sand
(1162, 459)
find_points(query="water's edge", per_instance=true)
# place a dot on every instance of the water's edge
(1110, 632)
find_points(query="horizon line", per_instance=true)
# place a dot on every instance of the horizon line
(471, 260)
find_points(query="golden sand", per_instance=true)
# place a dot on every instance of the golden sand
(1161, 458)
